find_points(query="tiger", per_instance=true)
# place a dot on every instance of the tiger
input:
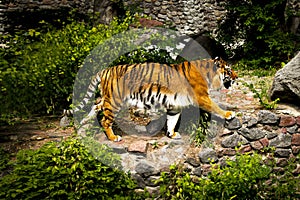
(146, 85)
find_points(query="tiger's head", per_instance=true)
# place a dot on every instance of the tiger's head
(227, 75)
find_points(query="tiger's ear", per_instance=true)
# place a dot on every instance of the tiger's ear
(218, 61)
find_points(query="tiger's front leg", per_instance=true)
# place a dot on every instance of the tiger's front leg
(172, 120)
(209, 105)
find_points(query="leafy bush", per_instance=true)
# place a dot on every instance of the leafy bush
(200, 132)
(246, 177)
(65, 171)
(258, 28)
(4, 160)
(38, 67)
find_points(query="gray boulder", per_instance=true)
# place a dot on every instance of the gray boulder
(286, 84)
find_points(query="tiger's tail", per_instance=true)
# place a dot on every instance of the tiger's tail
(87, 97)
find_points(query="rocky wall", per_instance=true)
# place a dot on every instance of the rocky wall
(188, 16)
(191, 17)
(24, 14)
(248, 133)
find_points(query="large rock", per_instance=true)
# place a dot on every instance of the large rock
(286, 84)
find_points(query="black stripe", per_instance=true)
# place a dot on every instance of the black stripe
(112, 86)
(147, 106)
(110, 117)
(215, 68)
(208, 75)
(152, 100)
(158, 97)
(149, 92)
(207, 65)
(142, 72)
(164, 99)
(144, 76)
(158, 90)
(151, 73)
(110, 110)
(183, 70)
(158, 77)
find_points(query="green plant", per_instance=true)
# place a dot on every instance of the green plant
(248, 176)
(66, 170)
(239, 179)
(38, 67)
(4, 160)
(259, 31)
(284, 185)
(263, 95)
(200, 131)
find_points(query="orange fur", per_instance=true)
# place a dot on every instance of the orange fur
(173, 86)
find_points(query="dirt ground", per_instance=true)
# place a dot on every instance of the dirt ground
(32, 133)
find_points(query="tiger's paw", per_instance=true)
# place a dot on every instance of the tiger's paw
(229, 115)
(118, 138)
(175, 135)
(115, 138)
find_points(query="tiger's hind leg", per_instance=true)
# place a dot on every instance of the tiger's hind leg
(172, 119)
(106, 123)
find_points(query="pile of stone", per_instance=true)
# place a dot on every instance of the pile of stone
(146, 158)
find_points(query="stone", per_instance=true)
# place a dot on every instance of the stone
(65, 121)
(151, 181)
(292, 129)
(284, 130)
(282, 162)
(139, 180)
(138, 146)
(249, 121)
(286, 83)
(267, 117)
(295, 150)
(271, 135)
(157, 3)
(197, 171)
(227, 152)
(206, 168)
(252, 134)
(285, 153)
(208, 155)
(233, 124)
(225, 132)
(245, 149)
(153, 191)
(278, 170)
(281, 141)
(256, 145)
(296, 139)
(264, 142)
(298, 120)
(297, 170)
(192, 162)
(223, 162)
(232, 141)
(252, 122)
(145, 168)
(161, 16)
(119, 149)
(268, 128)
(286, 120)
